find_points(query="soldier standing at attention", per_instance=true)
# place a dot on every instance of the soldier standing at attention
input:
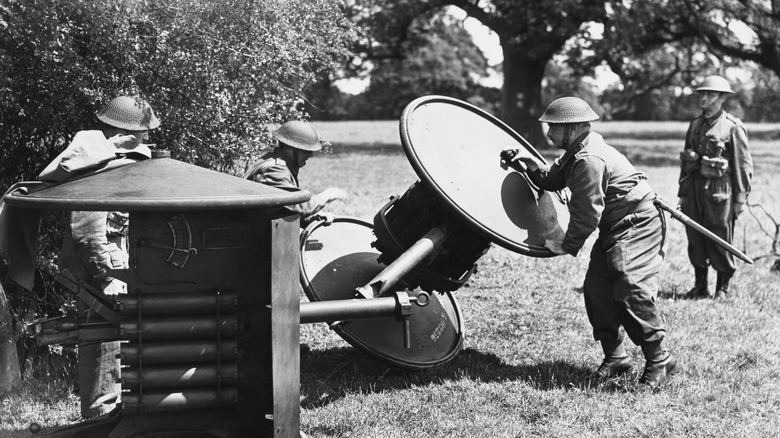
(714, 184)
(296, 143)
(608, 194)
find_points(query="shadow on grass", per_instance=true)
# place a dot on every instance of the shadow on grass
(329, 375)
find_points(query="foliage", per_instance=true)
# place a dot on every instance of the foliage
(441, 59)
(660, 48)
(531, 33)
(216, 73)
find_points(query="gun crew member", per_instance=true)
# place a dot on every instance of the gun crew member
(296, 143)
(608, 194)
(96, 241)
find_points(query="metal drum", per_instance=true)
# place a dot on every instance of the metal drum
(454, 148)
(338, 258)
(406, 219)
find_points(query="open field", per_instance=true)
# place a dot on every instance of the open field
(525, 368)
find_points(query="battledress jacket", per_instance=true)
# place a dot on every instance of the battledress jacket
(604, 185)
(703, 137)
(273, 170)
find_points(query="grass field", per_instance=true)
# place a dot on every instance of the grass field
(525, 369)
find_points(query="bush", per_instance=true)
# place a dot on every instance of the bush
(216, 72)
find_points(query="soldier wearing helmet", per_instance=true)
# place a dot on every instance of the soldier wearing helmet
(716, 170)
(97, 240)
(296, 143)
(608, 194)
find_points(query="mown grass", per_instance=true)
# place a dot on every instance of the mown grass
(525, 368)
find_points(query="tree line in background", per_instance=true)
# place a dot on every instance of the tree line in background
(658, 48)
(217, 72)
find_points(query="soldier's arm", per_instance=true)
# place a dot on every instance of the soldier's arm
(587, 183)
(279, 176)
(743, 164)
(88, 229)
(548, 178)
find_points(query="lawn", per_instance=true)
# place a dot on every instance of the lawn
(526, 363)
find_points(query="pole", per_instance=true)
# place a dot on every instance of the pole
(688, 222)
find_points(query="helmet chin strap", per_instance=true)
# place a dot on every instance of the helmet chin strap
(292, 153)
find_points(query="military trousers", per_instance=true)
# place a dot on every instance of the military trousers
(99, 366)
(708, 203)
(621, 283)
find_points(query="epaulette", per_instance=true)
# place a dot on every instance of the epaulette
(733, 119)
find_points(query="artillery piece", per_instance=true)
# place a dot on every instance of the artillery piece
(432, 236)
(211, 318)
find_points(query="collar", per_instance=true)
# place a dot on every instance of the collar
(575, 146)
(711, 120)
(288, 161)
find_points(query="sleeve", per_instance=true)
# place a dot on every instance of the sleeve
(280, 177)
(88, 229)
(688, 145)
(549, 178)
(742, 169)
(587, 184)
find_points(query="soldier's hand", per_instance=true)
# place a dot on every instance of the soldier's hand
(335, 194)
(509, 159)
(521, 163)
(736, 209)
(326, 217)
(121, 142)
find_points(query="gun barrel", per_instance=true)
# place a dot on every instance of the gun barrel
(688, 222)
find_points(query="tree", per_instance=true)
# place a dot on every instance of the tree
(215, 71)
(671, 44)
(442, 59)
(531, 33)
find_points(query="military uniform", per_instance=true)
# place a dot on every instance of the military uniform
(715, 178)
(97, 241)
(273, 170)
(608, 193)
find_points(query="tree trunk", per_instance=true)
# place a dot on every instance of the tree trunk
(521, 96)
(9, 358)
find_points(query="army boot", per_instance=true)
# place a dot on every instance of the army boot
(699, 289)
(659, 365)
(722, 284)
(616, 360)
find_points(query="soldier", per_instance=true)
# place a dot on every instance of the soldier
(716, 169)
(608, 194)
(296, 143)
(97, 240)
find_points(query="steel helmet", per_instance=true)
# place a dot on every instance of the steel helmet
(131, 113)
(568, 110)
(299, 135)
(715, 83)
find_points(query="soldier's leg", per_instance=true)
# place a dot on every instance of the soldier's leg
(602, 313)
(719, 220)
(693, 205)
(636, 259)
(98, 376)
(99, 367)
